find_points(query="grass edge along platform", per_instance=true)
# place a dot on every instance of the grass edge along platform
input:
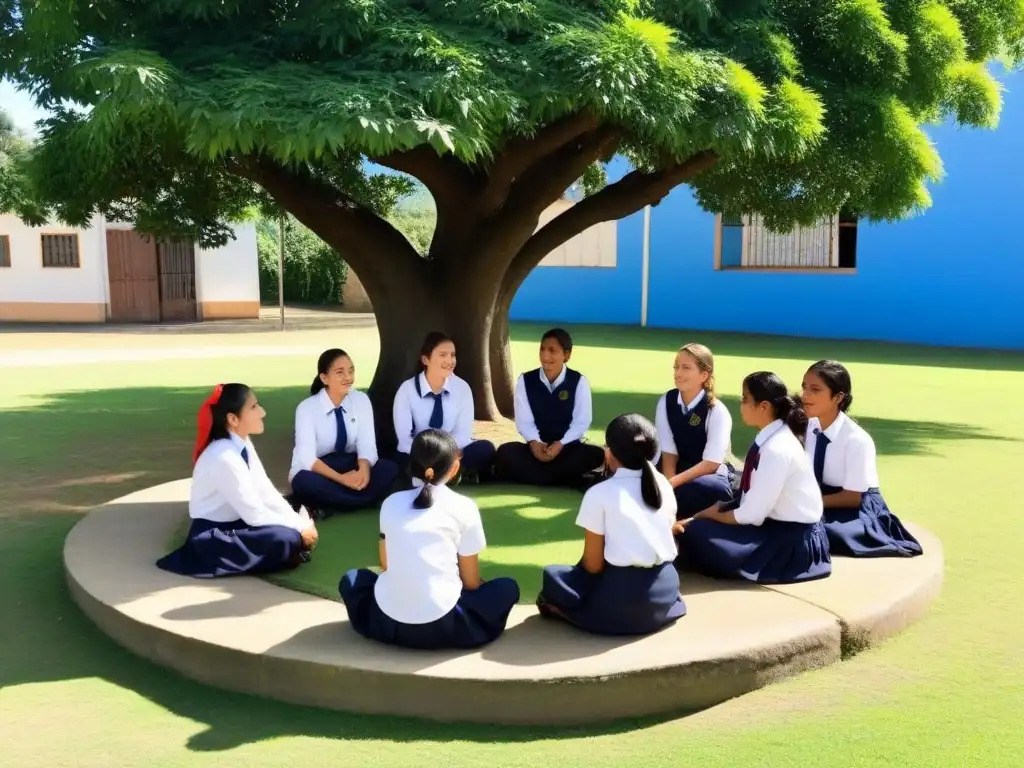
(248, 635)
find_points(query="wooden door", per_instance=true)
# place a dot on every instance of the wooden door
(132, 271)
(176, 261)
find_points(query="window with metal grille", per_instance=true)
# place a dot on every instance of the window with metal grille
(60, 250)
(746, 243)
(5, 251)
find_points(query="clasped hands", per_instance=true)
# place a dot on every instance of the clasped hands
(544, 452)
(357, 479)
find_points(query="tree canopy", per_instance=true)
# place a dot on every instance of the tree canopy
(181, 114)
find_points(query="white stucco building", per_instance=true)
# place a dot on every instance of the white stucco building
(109, 273)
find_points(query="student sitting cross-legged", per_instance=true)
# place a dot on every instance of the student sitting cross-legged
(335, 467)
(240, 522)
(553, 411)
(695, 429)
(429, 593)
(773, 534)
(436, 398)
(857, 520)
(626, 583)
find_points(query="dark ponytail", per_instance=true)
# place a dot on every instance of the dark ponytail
(765, 386)
(633, 441)
(231, 402)
(834, 375)
(323, 366)
(431, 458)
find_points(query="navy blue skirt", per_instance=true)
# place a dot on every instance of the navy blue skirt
(234, 549)
(701, 493)
(617, 601)
(477, 619)
(774, 552)
(871, 531)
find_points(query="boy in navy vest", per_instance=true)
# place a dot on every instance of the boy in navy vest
(553, 411)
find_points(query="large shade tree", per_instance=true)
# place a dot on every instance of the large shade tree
(197, 109)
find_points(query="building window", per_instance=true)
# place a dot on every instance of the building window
(5, 251)
(745, 243)
(60, 250)
(593, 247)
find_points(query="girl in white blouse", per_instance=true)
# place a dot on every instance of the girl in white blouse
(695, 430)
(335, 466)
(240, 522)
(626, 583)
(436, 398)
(429, 593)
(772, 534)
(857, 519)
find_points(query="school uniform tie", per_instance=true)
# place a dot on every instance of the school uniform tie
(341, 441)
(749, 465)
(437, 415)
(820, 446)
(245, 456)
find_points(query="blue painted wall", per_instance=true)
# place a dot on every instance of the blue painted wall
(953, 276)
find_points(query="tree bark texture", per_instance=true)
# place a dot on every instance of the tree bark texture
(485, 245)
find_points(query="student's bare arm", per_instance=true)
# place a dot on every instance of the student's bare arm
(382, 555)
(469, 571)
(593, 552)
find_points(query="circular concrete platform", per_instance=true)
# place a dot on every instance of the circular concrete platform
(247, 635)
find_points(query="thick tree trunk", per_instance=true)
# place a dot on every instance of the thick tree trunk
(461, 305)
(502, 376)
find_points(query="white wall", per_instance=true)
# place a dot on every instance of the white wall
(230, 273)
(26, 280)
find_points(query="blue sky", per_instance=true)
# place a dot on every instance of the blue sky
(20, 107)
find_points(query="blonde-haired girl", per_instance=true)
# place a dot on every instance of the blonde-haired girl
(695, 431)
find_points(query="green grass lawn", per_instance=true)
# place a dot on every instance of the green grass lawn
(949, 426)
(526, 528)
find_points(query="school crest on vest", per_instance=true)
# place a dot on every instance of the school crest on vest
(563, 395)
(694, 419)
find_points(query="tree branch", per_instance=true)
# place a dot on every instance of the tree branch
(626, 196)
(368, 243)
(443, 175)
(524, 152)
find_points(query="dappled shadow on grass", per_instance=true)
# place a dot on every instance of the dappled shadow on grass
(47, 639)
(75, 450)
(893, 437)
(771, 348)
(526, 529)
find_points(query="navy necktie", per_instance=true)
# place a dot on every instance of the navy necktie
(341, 441)
(437, 415)
(245, 456)
(820, 446)
(749, 465)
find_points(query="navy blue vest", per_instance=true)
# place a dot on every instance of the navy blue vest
(552, 411)
(689, 430)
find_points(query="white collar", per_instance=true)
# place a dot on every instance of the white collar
(835, 428)
(693, 403)
(328, 404)
(425, 387)
(768, 432)
(553, 385)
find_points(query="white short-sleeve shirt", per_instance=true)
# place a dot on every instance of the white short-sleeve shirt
(850, 460)
(782, 486)
(412, 412)
(316, 429)
(634, 534)
(422, 581)
(718, 428)
(226, 489)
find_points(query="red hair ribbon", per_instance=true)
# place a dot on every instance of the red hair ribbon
(204, 422)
